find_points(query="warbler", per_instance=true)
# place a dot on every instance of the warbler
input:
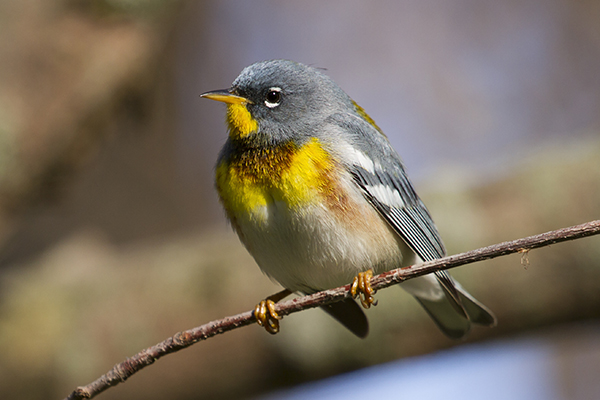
(320, 198)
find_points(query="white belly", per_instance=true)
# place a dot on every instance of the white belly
(314, 248)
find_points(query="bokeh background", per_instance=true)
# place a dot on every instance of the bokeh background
(112, 239)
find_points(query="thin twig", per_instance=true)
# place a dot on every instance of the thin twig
(120, 372)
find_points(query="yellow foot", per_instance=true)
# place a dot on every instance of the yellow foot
(265, 313)
(361, 287)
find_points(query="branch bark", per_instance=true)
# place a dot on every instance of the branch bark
(120, 372)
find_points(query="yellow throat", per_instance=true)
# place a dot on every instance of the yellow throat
(249, 181)
(239, 121)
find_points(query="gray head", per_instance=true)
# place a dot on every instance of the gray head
(286, 99)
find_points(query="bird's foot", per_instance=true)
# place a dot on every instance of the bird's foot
(361, 287)
(266, 316)
(265, 313)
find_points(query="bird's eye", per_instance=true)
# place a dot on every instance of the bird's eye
(273, 97)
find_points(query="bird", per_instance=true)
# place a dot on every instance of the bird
(320, 198)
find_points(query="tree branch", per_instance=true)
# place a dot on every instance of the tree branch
(120, 372)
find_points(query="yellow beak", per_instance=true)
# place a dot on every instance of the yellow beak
(225, 96)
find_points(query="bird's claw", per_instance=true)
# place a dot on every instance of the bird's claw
(266, 316)
(361, 287)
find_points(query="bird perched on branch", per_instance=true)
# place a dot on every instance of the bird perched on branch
(320, 198)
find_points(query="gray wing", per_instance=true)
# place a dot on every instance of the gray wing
(387, 187)
(409, 218)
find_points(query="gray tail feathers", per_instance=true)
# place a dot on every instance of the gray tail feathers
(349, 314)
(454, 318)
(477, 312)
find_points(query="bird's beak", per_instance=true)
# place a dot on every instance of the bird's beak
(225, 96)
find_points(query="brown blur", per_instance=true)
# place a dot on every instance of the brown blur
(111, 235)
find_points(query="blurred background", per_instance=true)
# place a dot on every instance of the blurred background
(112, 238)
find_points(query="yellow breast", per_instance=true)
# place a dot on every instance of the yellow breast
(249, 181)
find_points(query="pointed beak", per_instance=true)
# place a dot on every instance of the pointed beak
(225, 96)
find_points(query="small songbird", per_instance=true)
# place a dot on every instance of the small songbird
(320, 198)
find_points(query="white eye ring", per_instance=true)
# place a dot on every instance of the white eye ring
(273, 97)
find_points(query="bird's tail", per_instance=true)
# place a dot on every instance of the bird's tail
(349, 314)
(450, 306)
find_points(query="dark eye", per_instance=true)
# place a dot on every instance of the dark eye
(273, 97)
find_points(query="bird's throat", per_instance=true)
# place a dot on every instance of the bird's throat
(286, 173)
(240, 121)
